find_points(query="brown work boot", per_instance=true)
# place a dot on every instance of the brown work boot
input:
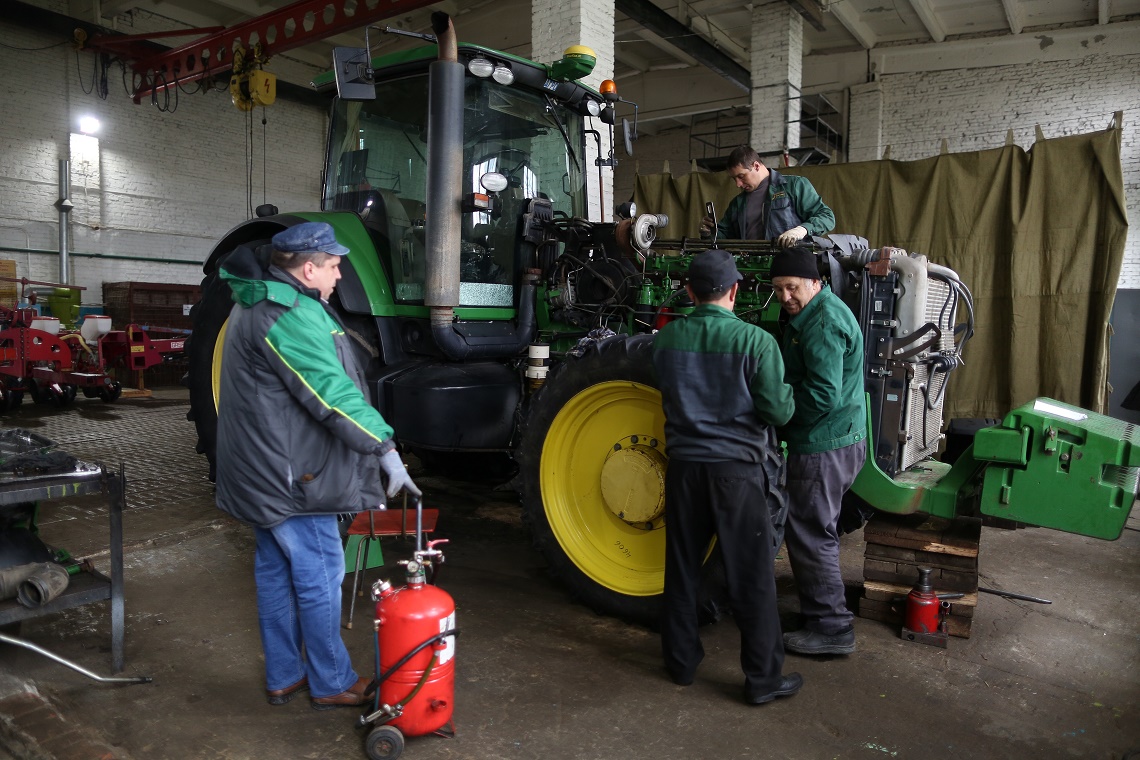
(351, 697)
(281, 696)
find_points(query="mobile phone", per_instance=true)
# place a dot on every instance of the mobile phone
(711, 212)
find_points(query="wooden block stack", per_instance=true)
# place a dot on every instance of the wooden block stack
(897, 545)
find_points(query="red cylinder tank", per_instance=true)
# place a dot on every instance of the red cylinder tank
(406, 618)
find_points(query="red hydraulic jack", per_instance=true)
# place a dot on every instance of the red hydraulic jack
(925, 623)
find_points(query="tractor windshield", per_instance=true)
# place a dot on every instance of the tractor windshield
(377, 167)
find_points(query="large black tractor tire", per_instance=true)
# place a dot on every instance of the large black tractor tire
(592, 481)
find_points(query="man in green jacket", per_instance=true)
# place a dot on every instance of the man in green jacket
(298, 443)
(822, 347)
(723, 392)
(773, 206)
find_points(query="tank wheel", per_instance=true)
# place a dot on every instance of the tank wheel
(69, 391)
(592, 469)
(13, 400)
(40, 394)
(384, 743)
(110, 393)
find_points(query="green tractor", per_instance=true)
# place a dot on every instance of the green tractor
(461, 188)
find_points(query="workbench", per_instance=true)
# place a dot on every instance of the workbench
(88, 585)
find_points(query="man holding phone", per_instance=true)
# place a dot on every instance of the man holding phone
(772, 206)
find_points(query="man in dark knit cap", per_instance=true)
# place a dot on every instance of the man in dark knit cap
(822, 347)
(723, 392)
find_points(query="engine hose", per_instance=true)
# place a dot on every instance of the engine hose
(82, 343)
(403, 660)
(665, 304)
(423, 680)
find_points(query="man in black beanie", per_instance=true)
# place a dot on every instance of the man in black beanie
(822, 347)
(723, 392)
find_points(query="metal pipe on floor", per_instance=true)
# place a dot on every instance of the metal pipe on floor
(77, 668)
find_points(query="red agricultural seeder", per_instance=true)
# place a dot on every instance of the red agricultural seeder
(54, 366)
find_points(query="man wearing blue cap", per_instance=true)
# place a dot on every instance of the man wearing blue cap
(298, 443)
(723, 392)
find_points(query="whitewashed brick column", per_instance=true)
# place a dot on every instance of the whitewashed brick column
(555, 26)
(777, 73)
(865, 133)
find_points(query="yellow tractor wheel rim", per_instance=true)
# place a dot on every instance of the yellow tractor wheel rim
(216, 363)
(604, 449)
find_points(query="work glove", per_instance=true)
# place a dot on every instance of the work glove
(706, 226)
(397, 475)
(792, 236)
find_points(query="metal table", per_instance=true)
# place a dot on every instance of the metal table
(89, 585)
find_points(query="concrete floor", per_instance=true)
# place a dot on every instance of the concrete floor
(541, 677)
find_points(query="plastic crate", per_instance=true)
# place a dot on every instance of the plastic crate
(149, 304)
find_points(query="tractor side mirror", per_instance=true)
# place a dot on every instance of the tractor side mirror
(352, 70)
(628, 136)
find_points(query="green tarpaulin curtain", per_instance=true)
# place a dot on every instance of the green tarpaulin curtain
(1038, 237)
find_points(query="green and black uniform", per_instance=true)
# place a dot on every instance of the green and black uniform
(296, 433)
(791, 202)
(723, 393)
(823, 358)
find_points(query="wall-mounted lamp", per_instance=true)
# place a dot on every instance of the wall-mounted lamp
(88, 125)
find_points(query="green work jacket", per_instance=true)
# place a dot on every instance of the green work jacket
(722, 388)
(792, 201)
(822, 348)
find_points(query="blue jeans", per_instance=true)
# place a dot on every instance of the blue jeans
(299, 566)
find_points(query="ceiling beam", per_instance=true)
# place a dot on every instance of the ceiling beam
(213, 54)
(811, 12)
(703, 26)
(631, 59)
(929, 19)
(1102, 11)
(41, 20)
(849, 17)
(670, 29)
(1015, 15)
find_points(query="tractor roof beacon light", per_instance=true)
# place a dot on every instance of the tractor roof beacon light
(576, 62)
(609, 91)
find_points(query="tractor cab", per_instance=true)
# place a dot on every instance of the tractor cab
(522, 153)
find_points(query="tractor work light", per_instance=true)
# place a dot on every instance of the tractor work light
(503, 74)
(590, 107)
(480, 67)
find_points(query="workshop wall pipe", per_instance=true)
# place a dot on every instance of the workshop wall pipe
(64, 205)
(112, 256)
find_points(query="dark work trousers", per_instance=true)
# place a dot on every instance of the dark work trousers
(816, 484)
(730, 500)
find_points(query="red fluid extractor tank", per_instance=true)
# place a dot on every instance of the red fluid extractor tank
(415, 657)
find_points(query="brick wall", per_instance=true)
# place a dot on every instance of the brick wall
(162, 186)
(555, 26)
(973, 109)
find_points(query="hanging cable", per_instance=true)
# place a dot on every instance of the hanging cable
(263, 171)
(249, 164)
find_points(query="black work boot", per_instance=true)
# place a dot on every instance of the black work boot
(807, 641)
